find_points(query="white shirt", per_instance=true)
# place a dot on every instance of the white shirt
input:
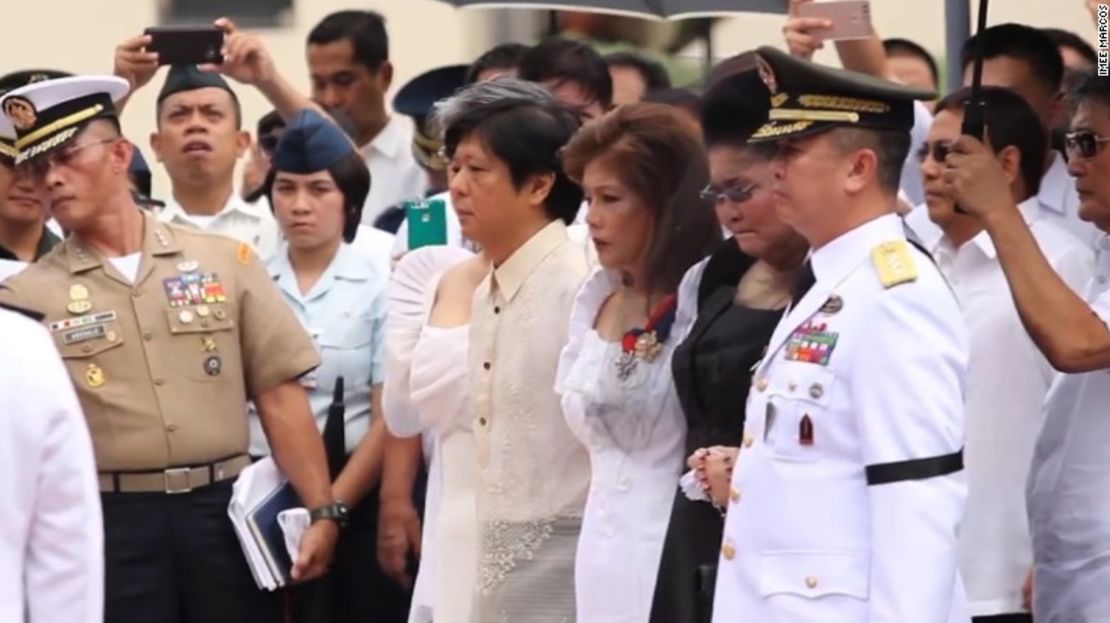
(635, 432)
(1059, 201)
(10, 267)
(51, 535)
(374, 244)
(245, 222)
(911, 185)
(1007, 382)
(859, 375)
(127, 265)
(1069, 486)
(395, 176)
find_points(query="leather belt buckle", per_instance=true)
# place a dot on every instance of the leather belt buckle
(177, 480)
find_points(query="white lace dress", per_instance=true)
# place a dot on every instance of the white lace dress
(635, 432)
(425, 392)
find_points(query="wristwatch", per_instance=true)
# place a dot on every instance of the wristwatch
(336, 511)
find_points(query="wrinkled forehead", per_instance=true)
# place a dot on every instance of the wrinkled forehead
(1093, 115)
(207, 97)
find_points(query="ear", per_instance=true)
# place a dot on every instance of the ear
(385, 74)
(156, 145)
(538, 188)
(1010, 159)
(1056, 109)
(864, 170)
(122, 152)
(242, 143)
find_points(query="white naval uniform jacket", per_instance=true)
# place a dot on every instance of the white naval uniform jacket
(848, 491)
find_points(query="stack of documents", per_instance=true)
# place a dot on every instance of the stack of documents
(270, 543)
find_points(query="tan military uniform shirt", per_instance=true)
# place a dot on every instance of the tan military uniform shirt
(164, 367)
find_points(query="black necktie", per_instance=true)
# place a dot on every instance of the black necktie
(802, 283)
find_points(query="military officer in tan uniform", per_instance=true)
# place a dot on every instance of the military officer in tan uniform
(848, 490)
(167, 333)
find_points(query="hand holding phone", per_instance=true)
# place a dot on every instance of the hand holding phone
(246, 58)
(850, 19)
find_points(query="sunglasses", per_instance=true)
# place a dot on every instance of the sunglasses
(39, 167)
(1084, 144)
(733, 194)
(938, 150)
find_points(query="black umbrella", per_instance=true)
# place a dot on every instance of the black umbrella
(652, 9)
(335, 434)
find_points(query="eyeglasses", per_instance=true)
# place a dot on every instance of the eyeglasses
(939, 150)
(733, 194)
(39, 167)
(1084, 144)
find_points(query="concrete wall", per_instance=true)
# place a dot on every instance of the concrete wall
(79, 36)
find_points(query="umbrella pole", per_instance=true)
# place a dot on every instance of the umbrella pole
(552, 23)
(957, 30)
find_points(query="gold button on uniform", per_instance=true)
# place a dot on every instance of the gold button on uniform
(728, 551)
(159, 382)
(749, 439)
(761, 384)
(734, 495)
(792, 385)
(811, 582)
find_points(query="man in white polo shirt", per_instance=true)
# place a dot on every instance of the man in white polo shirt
(348, 61)
(1008, 377)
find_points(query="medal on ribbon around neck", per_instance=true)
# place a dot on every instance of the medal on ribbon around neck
(647, 342)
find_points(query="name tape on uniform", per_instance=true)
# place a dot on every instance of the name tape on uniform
(82, 321)
(84, 334)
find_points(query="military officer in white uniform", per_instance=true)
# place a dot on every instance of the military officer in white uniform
(847, 491)
(51, 538)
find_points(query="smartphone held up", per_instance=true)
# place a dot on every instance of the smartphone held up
(187, 45)
(851, 19)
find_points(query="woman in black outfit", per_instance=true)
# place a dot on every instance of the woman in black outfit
(744, 288)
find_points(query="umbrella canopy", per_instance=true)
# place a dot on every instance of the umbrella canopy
(651, 9)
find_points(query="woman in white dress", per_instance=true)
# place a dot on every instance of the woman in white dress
(425, 392)
(642, 167)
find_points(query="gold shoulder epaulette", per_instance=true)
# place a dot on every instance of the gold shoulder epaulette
(894, 263)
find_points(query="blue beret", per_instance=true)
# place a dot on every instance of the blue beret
(310, 143)
(188, 78)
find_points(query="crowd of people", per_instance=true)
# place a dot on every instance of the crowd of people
(782, 346)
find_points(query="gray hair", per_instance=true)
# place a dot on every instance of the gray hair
(503, 91)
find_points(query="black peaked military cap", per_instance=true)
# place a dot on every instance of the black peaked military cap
(416, 99)
(807, 98)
